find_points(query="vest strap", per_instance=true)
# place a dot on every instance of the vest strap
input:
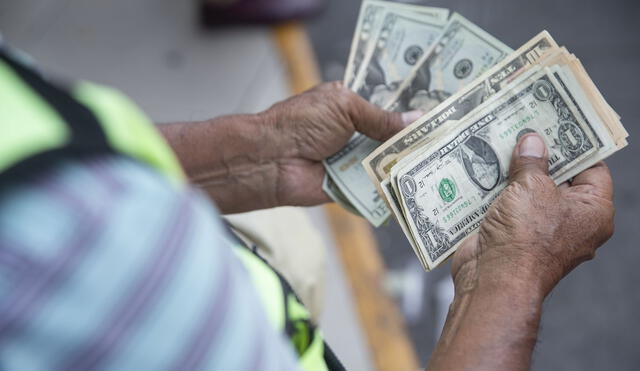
(86, 132)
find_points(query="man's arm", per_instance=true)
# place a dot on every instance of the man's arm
(492, 325)
(274, 158)
(102, 282)
(230, 158)
(533, 235)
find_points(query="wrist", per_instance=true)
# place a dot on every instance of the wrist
(517, 299)
(504, 269)
(519, 274)
(492, 322)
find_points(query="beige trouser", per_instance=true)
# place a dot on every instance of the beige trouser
(287, 239)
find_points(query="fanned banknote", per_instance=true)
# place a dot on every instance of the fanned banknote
(394, 50)
(463, 52)
(401, 41)
(370, 20)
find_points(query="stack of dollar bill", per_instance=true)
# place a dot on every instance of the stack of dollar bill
(439, 175)
(403, 57)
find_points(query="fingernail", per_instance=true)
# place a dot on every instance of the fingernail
(532, 146)
(410, 117)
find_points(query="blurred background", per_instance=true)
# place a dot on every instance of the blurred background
(158, 52)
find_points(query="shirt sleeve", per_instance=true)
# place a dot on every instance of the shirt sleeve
(105, 264)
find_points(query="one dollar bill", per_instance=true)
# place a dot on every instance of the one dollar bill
(378, 164)
(445, 192)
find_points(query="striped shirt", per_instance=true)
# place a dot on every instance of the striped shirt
(105, 265)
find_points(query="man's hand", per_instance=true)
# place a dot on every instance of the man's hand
(274, 158)
(312, 126)
(534, 234)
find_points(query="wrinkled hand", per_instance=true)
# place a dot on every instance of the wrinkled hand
(535, 233)
(312, 126)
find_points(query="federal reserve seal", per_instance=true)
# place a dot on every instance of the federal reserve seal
(412, 54)
(463, 68)
(447, 190)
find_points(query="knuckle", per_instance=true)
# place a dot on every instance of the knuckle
(516, 187)
(348, 97)
(606, 227)
(338, 89)
(532, 181)
(611, 219)
(335, 85)
(516, 190)
(388, 120)
(535, 180)
(343, 97)
(330, 92)
(326, 87)
(608, 230)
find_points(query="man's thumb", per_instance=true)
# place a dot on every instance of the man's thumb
(394, 122)
(379, 124)
(530, 157)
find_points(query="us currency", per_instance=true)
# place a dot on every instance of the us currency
(446, 191)
(607, 143)
(394, 205)
(602, 107)
(400, 43)
(351, 182)
(332, 190)
(345, 169)
(378, 164)
(370, 20)
(463, 52)
(404, 23)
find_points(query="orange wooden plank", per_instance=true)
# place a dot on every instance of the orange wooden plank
(380, 318)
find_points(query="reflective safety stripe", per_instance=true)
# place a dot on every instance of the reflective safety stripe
(86, 134)
(41, 120)
(285, 311)
(306, 338)
(267, 284)
(127, 129)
